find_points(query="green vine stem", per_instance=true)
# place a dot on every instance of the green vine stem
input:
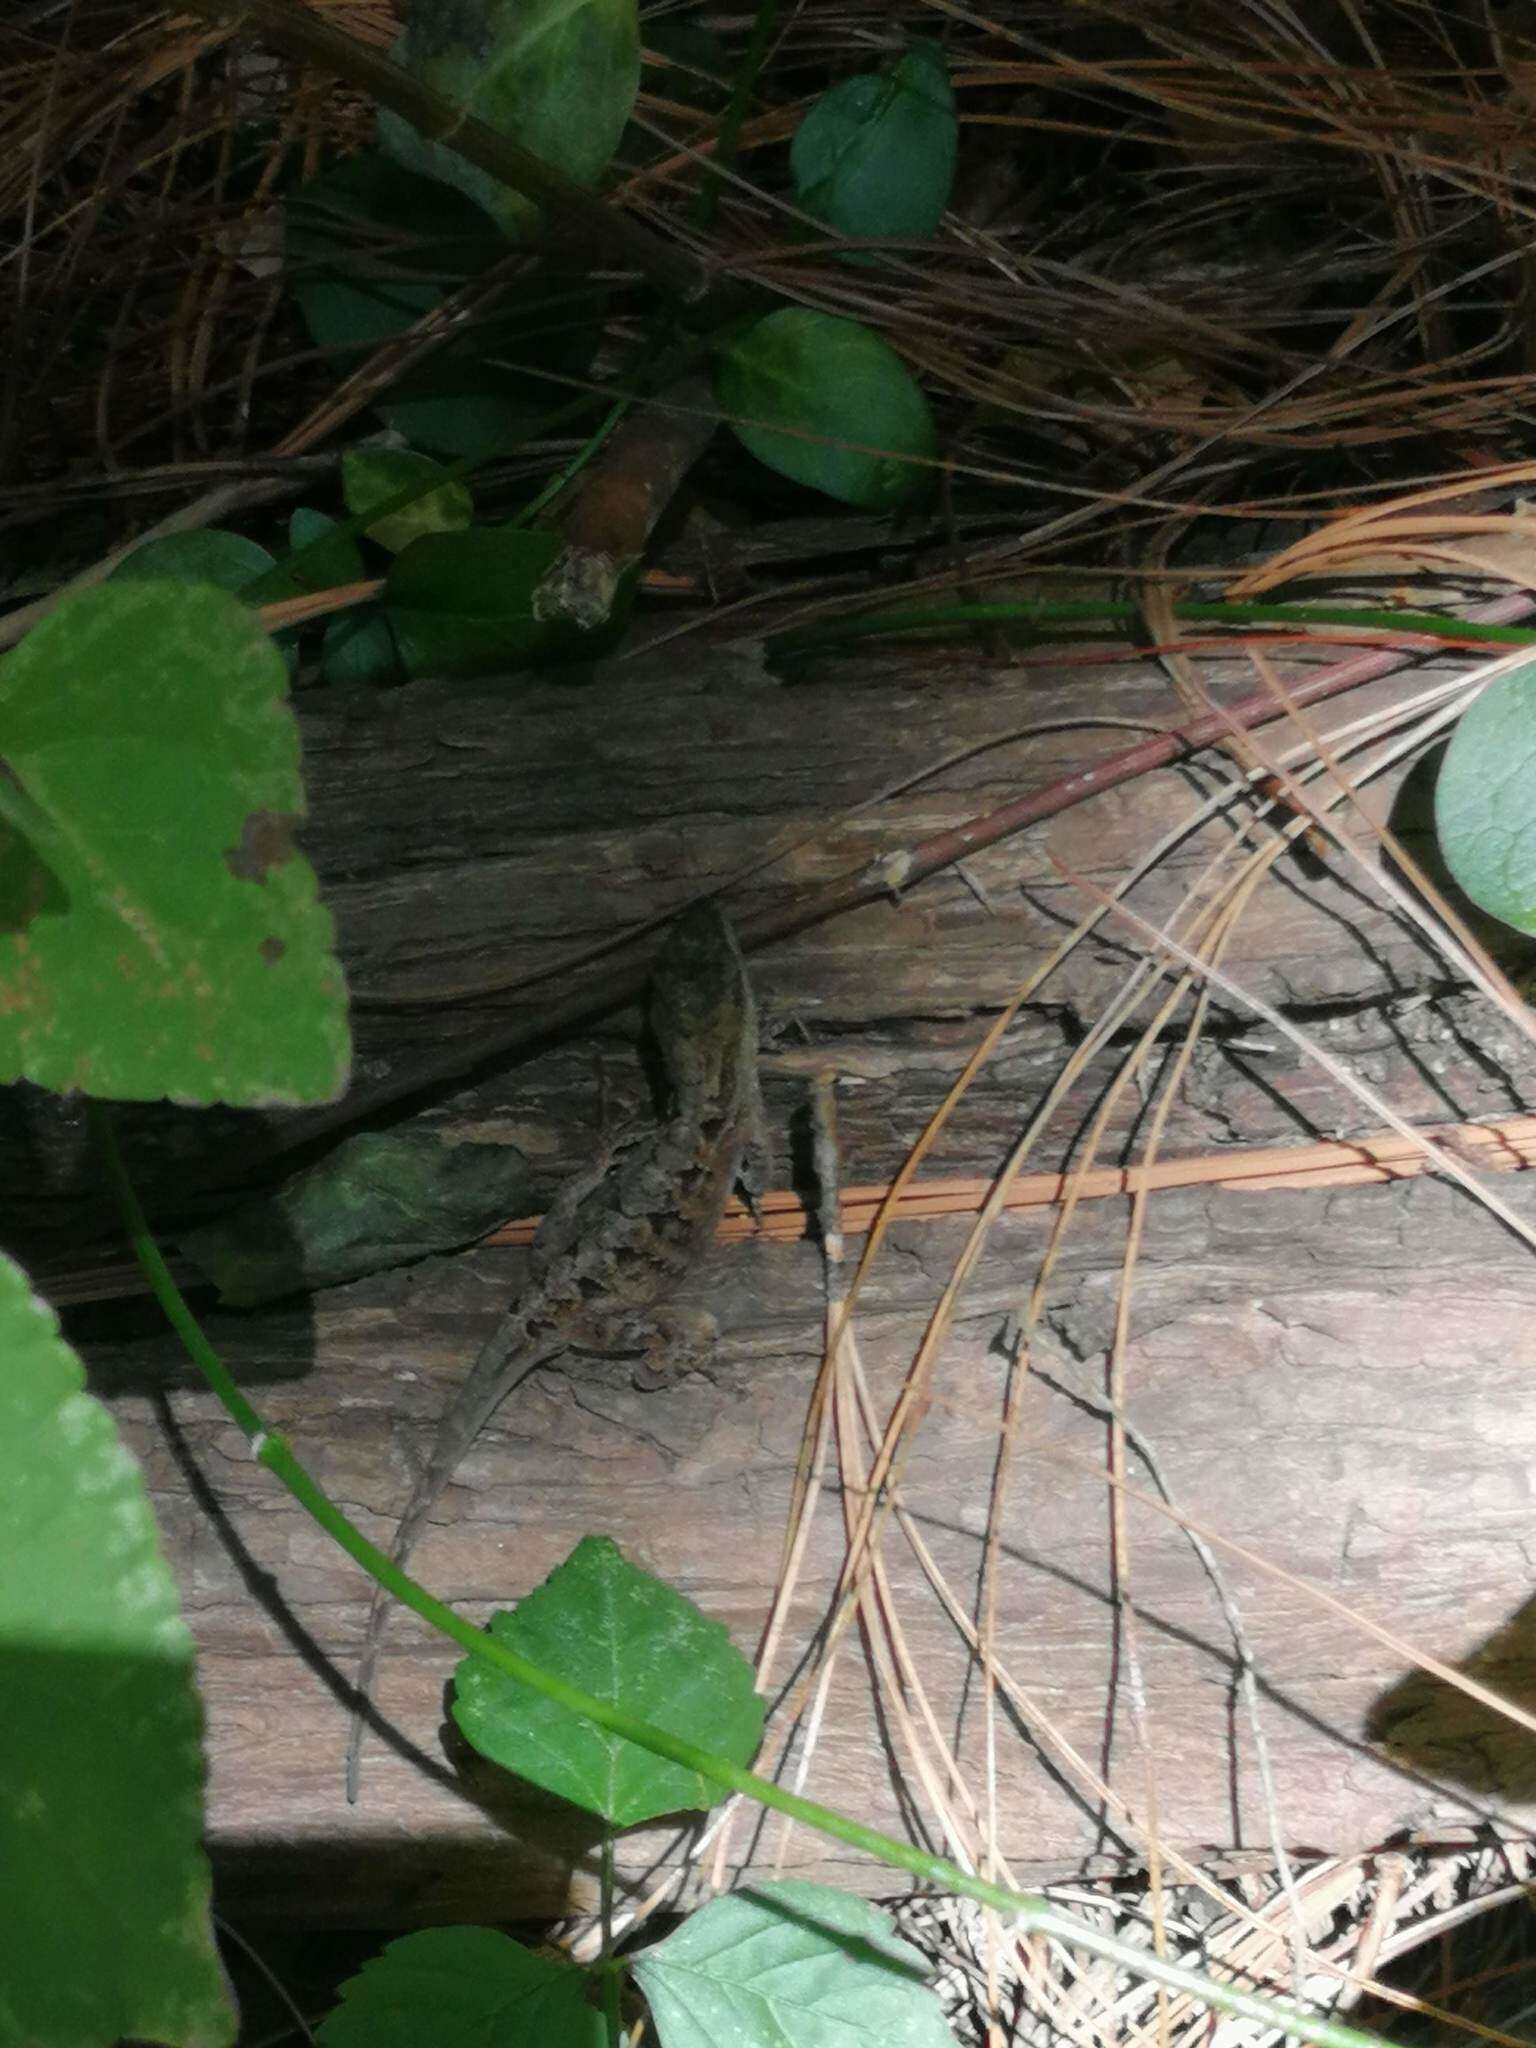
(1039, 616)
(608, 1968)
(1027, 1910)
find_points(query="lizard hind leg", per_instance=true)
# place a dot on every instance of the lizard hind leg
(515, 1348)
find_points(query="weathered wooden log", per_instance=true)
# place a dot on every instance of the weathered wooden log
(1338, 1381)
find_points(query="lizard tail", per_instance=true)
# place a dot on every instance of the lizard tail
(411, 1526)
(483, 1392)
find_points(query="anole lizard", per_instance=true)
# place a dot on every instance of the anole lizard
(620, 1235)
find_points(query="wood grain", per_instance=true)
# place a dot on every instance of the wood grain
(1338, 1378)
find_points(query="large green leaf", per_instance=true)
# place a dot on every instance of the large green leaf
(378, 1200)
(463, 1987)
(372, 476)
(1485, 799)
(466, 603)
(558, 77)
(875, 156)
(104, 1932)
(790, 1965)
(160, 934)
(369, 247)
(602, 1624)
(800, 387)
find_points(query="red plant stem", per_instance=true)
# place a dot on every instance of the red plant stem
(869, 884)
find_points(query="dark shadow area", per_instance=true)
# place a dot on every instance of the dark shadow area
(128, 1348)
(30, 887)
(1469, 1949)
(1434, 1727)
(287, 1978)
(127, 1345)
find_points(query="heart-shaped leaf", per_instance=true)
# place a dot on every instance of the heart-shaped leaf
(604, 1625)
(875, 156)
(790, 1965)
(463, 1987)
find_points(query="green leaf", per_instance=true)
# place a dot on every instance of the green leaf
(369, 245)
(463, 1987)
(828, 382)
(485, 393)
(359, 647)
(160, 934)
(461, 419)
(372, 476)
(602, 1624)
(1485, 799)
(209, 556)
(105, 1933)
(335, 562)
(558, 77)
(498, 597)
(356, 236)
(359, 235)
(790, 1965)
(377, 1200)
(227, 560)
(875, 156)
